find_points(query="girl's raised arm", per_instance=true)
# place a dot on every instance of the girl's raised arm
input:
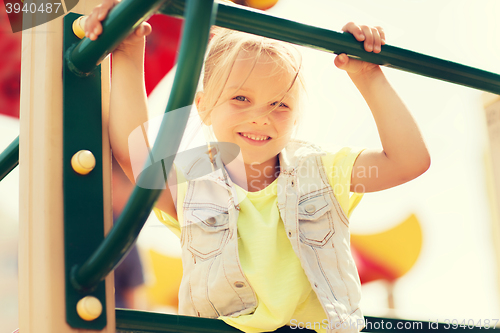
(128, 99)
(404, 155)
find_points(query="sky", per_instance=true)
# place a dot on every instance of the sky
(456, 274)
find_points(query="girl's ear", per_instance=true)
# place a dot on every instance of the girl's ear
(202, 110)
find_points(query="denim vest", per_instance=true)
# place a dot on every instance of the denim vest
(214, 284)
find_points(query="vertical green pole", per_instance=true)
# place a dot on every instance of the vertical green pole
(83, 193)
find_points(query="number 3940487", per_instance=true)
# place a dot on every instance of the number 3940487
(484, 324)
(32, 8)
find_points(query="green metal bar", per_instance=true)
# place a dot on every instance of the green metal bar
(199, 18)
(142, 322)
(120, 22)
(9, 158)
(83, 201)
(263, 24)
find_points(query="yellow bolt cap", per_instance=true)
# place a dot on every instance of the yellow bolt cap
(261, 4)
(89, 308)
(83, 162)
(78, 26)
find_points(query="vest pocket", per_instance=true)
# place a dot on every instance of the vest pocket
(315, 220)
(206, 232)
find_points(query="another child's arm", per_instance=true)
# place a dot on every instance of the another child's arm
(128, 99)
(404, 155)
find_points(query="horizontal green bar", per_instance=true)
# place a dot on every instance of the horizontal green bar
(146, 322)
(122, 236)
(9, 158)
(139, 322)
(263, 24)
(120, 22)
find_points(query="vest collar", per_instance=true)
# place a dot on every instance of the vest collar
(295, 152)
(208, 164)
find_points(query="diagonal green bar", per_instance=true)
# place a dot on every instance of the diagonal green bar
(9, 158)
(120, 22)
(199, 18)
(260, 23)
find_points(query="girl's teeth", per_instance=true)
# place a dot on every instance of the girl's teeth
(253, 137)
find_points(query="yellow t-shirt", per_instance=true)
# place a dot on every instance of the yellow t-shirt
(266, 255)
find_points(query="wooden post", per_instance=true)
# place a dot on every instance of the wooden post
(491, 105)
(41, 241)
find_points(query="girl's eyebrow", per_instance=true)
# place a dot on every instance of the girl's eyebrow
(287, 98)
(238, 88)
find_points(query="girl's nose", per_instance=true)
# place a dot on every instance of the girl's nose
(260, 116)
(263, 120)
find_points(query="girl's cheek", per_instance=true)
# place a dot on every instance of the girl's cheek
(240, 117)
(285, 118)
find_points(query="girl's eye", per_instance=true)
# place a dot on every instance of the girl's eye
(282, 105)
(241, 98)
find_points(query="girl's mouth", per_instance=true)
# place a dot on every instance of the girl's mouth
(254, 139)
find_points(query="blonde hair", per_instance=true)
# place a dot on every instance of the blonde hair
(223, 51)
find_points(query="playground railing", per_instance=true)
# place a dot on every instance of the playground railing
(199, 16)
(255, 22)
(129, 14)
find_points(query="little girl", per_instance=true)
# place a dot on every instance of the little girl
(266, 242)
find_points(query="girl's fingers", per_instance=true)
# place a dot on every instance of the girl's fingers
(341, 61)
(382, 34)
(369, 38)
(93, 26)
(146, 28)
(97, 29)
(89, 25)
(103, 11)
(373, 38)
(143, 30)
(92, 23)
(377, 41)
(105, 7)
(355, 30)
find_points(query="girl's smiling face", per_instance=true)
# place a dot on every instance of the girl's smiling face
(259, 108)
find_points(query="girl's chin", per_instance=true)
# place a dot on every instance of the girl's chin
(252, 159)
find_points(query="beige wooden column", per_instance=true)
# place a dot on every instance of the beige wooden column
(41, 250)
(491, 104)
